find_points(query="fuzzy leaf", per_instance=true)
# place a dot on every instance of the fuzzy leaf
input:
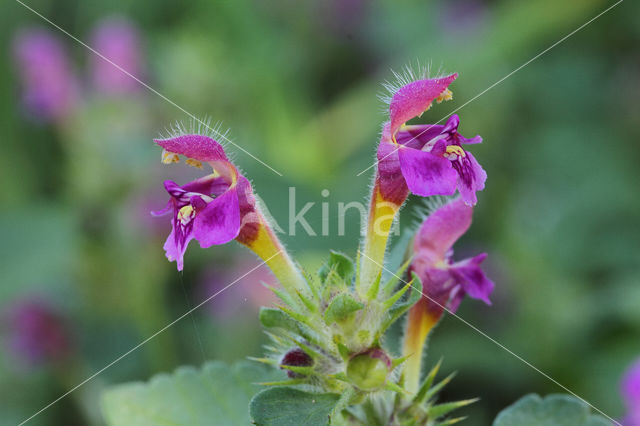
(217, 393)
(284, 406)
(553, 410)
(341, 307)
(340, 264)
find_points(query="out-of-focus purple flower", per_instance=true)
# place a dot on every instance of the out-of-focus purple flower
(37, 333)
(214, 209)
(118, 40)
(245, 295)
(50, 89)
(426, 159)
(463, 16)
(630, 389)
(445, 281)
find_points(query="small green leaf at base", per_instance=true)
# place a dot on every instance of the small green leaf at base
(553, 410)
(284, 406)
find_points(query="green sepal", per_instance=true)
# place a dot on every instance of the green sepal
(440, 410)
(345, 353)
(307, 371)
(280, 294)
(421, 395)
(437, 388)
(340, 264)
(452, 421)
(267, 361)
(276, 318)
(395, 388)
(393, 281)
(372, 294)
(340, 308)
(396, 362)
(398, 309)
(310, 304)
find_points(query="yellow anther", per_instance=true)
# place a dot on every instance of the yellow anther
(193, 163)
(455, 149)
(447, 95)
(169, 157)
(186, 213)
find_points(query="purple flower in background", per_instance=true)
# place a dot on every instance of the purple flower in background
(118, 40)
(631, 394)
(37, 333)
(426, 159)
(245, 295)
(50, 90)
(443, 280)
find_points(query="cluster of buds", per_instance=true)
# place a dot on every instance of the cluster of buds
(328, 329)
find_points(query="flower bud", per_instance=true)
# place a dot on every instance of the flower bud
(369, 370)
(296, 358)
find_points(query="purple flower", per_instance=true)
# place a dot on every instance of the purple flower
(445, 281)
(50, 90)
(214, 209)
(426, 159)
(37, 332)
(631, 394)
(117, 39)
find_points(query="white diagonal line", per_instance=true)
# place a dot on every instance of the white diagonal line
(500, 81)
(193, 117)
(144, 341)
(500, 345)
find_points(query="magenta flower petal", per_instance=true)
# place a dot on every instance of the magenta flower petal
(442, 229)
(425, 173)
(471, 177)
(198, 147)
(414, 98)
(176, 245)
(474, 282)
(630, 389)
(219, 221)
(446, 282)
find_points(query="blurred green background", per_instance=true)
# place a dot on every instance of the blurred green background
(297, 84)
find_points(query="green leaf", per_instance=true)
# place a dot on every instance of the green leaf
(283, 406)
(554, 410)
(341, 264)
(215, 394)
(341, 307)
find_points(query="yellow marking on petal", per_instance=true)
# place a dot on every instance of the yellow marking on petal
(455, 149)
(186, 213)
(447, 95)
(193, 163)
(169, 157)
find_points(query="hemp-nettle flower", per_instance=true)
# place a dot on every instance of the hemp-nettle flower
(117, 39)
(426, 159)
(445, 281)
(630, 389)
(50, 89)
(214, 209)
